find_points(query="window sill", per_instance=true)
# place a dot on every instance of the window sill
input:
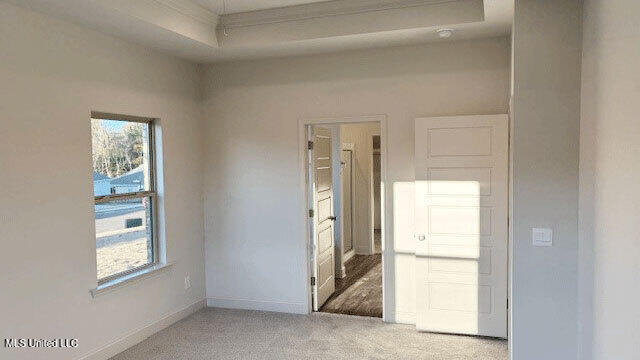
(134, 277)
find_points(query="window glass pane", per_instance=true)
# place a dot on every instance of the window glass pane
(120, 156)
(124, 239)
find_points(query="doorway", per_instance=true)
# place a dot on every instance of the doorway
(461, 230)
(344, 168)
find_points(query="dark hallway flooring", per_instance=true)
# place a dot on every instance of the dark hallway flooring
(360, 292)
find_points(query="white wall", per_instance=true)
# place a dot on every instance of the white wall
(609, 173)
(545, 134)
(254, 250)
(52, 75)
(361, 136)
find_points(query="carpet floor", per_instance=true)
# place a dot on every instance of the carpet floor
(239, 334)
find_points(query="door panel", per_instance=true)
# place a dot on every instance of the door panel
(456, 220)
(323, 238)
(460, 259)
(467, 181)
(461, 224)
(324, 208)
(459, 141)
(323, 176)
(460, 297)
(347, 212)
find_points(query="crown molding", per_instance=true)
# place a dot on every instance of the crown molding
(191, 10)
(316, 10)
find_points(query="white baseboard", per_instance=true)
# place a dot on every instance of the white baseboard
(138, 335)
(348, 255)
(402, 317)
(276, 306)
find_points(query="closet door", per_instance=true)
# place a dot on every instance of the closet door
(461, 224)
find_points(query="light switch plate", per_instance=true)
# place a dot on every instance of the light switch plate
(542, 237)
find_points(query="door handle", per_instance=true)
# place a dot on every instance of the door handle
(332, 218)
(421, 237)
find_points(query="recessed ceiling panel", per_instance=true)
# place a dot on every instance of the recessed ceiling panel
(193, 29)
(236, 6)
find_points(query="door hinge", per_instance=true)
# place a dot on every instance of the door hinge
(507, 304)
(310, 213)
(313, 280)
(310, 145)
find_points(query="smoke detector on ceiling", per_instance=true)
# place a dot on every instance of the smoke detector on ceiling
(445, 33)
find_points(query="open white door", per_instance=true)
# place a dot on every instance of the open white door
(461, 224)
(323, 215)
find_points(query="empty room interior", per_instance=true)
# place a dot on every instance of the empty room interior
(307, 179)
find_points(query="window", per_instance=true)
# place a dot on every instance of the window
(124, 193)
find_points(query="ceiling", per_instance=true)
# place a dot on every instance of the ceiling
(221, 7)
(206, 31)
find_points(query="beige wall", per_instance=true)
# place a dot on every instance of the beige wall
(545, 133)
(609, 173)
(52, 74)
(254, 249)
(361, 136)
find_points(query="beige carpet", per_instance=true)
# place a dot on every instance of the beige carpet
(239, 334)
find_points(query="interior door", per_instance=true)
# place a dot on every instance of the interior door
(323, 216)
(347, 211)
(461, 224)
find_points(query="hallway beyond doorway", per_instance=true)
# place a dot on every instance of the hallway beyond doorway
(360, 292)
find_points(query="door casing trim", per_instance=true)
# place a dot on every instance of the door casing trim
(387, 282)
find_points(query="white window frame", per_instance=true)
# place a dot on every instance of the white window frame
(150, 193)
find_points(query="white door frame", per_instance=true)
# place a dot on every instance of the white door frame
(348, 147)
(304, 204)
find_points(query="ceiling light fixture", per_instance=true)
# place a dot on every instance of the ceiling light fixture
(445, 33)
